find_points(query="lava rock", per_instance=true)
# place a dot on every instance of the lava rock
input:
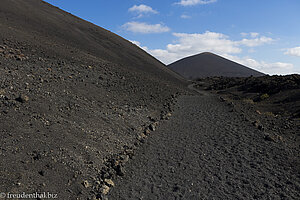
(22, 98)
(105, 189)
(109, 182)
(119, 170)
(86, 184)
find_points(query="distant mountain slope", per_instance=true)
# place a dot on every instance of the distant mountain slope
(208, 64)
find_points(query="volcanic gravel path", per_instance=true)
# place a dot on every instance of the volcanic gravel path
(207, 151)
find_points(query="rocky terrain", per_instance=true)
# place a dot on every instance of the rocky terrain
(85, 114)
(211, 149)
(208, 64)
(269, 102)
(276, 95)
(72, 95)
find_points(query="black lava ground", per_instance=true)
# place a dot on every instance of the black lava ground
(277, 94)
(71, 95)
(207, 151)
(75, 97)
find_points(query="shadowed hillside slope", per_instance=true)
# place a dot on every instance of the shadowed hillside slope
(71, 95)
(208, 64)
(59, 31)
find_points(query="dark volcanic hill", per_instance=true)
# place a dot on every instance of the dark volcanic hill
(208, 64)
(72, 94)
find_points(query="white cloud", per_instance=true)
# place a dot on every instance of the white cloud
(293, 51)
(144, 28)
(142, 9)
(252, 34)
(208, 41)
(137, 43)
(244, 34)
(191, 44)
(195, 2)
(164, 55)
(266, 67)
(185, 16)
(255, 41)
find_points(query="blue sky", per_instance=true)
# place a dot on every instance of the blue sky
(261, 34)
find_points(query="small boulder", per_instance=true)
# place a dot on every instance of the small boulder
(119, 170)
(86, 184)
(269, 138)
(109, 182)
(169, 114)
(152, 127)
(105, 189)
(22, 98)
(147, 131)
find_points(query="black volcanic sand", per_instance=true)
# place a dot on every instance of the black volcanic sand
(77, 102)
(72, 96)
(208, 151)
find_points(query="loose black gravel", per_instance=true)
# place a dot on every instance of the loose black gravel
(207, 152)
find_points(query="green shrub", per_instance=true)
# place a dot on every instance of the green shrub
(264, 96)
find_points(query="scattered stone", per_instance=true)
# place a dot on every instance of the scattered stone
(86, 184)
(98, 182)
(22, 98)
(119, 170)
(261, 127)
(141, 139)
(172, 169)
(2, 92)
(269, 138)
(258, 112)
(104, 190)
(176, 188)
(42, 173)
(147, 131)
(109, 182)
(105, 174)
(152, 127)
(125, 158)
(222, 99)
(256, 123)
(95, 198)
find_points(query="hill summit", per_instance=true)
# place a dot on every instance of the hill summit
(208, 64)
